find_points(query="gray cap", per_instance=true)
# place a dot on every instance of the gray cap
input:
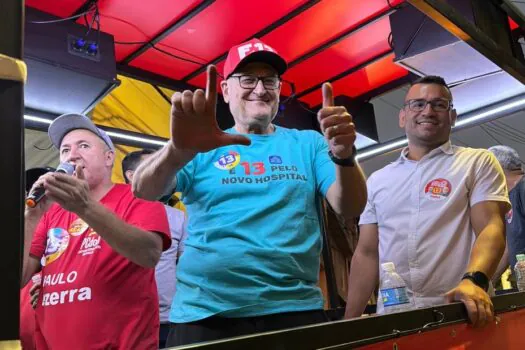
(508, 158)
(69, 122)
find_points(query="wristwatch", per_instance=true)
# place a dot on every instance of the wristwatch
(350, 161)
(478, 278)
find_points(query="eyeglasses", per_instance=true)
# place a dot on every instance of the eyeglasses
(437, 104)
(251, 81)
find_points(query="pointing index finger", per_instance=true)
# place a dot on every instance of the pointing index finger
(211, 88)
(328, 96)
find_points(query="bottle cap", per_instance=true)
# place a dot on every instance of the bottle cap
(520, 257)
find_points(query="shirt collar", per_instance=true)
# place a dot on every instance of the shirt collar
(445, 148)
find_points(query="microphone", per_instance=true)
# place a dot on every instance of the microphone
(38, 193)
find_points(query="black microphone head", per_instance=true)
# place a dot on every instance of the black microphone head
(66, 168)
(33, 174)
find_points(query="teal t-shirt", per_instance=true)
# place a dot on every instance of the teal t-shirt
(254, 242)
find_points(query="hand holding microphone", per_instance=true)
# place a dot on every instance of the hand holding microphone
(72, 193)
(38, 191)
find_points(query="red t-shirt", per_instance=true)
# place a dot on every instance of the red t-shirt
(92, 297)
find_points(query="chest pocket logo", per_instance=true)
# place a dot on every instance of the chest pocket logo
(438, 189)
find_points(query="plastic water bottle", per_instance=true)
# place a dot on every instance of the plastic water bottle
(393, 290)
(519, 268)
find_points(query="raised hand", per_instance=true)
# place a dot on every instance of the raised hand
(336, 125)
(194, 125)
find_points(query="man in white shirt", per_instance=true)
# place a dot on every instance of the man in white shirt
(437, 213)
(165, 271)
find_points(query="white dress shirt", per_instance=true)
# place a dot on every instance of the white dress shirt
(422, 210)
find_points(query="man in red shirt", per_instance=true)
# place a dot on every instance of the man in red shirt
(97, 245)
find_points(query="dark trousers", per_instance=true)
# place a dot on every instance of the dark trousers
(216, 327)
(163, 334)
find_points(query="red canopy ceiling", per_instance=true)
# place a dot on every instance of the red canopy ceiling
(343, 41)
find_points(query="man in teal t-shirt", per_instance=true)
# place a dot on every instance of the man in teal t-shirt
(251, 262)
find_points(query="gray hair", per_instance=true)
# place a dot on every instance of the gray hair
(507, 157)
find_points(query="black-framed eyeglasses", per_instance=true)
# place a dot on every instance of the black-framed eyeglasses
(437, 104)
(250, 81)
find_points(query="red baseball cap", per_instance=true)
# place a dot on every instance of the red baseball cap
(253, 51)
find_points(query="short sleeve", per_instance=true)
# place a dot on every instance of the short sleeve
(183, 238)
(177, 223)
(149, 216)
(489, 181)
(324, 168)
(38, 244)
(369, 215)
(185, 177)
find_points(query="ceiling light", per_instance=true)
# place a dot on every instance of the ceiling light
(389, 146)
(118, 135)
(485, 115)
(113, 134)
(37, 119)
(511, 106)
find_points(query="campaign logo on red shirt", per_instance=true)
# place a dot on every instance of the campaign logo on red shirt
(508, 216)
(228, 161)
(438, 189)
(78, 227)
(57, 242)
(90, 244)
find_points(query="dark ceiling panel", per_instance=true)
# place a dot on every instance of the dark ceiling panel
(322, 40)
(60, 8)
(329, 20)
(350, 52)
(376, 74)
(211, 33)
(322, 23)
(138, 20)
(200, 80)
(163, 64)
(288, 17)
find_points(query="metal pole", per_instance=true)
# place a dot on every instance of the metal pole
(11, 173)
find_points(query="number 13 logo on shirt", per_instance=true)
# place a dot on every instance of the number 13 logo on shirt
(255, 168)
(228, 161)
